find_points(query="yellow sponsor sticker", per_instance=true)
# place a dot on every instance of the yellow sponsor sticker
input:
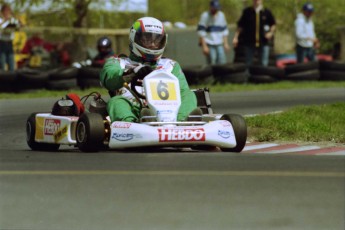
(60, 134)
(39, 128)
(165, 91)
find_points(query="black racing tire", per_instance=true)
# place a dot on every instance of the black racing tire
(88, 77)
(63, 84)
(7, 76)
(88, 83)
(197, 74)
(225, 69)
(301, 67)
(64, 73)
(89, 72)
(309, 75)
(7, 81)
(332, 75)
(29, 78)
(30, 137)
(33, 75)
(267, 70)
(240, 128)
(332, 65)
(262, 79)
(90, 132)
(237, 78)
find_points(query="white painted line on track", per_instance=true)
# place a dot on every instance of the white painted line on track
(260, 146)
(296, 149)
(339, 153)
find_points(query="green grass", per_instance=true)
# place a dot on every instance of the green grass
(318, 123)
(213, 88)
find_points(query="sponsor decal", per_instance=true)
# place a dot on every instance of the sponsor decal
(164, 111)
(122, 136)
(224, 134)
(61, 133)
(164, 103)
(181, 135)
(51, 126)
(154, 26)
(121, 125)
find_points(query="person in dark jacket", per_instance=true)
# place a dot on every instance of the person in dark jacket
(255, 30)
(105, 50)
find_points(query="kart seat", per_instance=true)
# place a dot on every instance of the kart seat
(70, 106)
(76, 100)
(203, 100)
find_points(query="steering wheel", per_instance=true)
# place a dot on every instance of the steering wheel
(135, 82)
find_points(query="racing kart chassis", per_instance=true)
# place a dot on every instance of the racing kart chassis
(93, 131)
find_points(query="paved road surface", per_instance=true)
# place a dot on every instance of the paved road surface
(258, 189)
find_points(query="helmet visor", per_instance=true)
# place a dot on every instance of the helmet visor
(150, 41)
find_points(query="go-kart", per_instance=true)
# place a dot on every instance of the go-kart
(91, 130)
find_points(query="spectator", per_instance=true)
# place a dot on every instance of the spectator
(44, 54)
(256, 27)
(147, 41)
(105, 51)
(8, 24)
(213, 34)
(306, 38)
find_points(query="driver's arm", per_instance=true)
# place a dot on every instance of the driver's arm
(188, 98)
(111, 74)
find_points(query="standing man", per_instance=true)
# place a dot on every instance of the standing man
(305, 34)
(213, 34)
(8, 24)
(256, 26)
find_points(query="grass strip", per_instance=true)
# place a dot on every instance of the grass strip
(316, 123)
(214, 88)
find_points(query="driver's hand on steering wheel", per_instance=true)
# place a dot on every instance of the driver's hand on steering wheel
(142, 70)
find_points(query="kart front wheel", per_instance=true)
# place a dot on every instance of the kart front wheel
(240, 129)
(30, 137)
(90, 132)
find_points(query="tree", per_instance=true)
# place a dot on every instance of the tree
(80, 8)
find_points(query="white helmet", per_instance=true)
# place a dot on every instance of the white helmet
(147, 39)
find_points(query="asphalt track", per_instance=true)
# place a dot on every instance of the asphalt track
(261, 188)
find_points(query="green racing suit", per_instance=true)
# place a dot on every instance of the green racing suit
(124, 106)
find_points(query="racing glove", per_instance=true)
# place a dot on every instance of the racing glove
(142, 70)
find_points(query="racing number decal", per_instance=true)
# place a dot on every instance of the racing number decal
(163, 91)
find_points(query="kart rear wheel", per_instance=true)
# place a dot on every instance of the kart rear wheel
(30, 137)
(90, 132)
(240, 129)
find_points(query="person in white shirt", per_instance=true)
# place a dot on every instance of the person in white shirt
(306, 40)
(213, 34)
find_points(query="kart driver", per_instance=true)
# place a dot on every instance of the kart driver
(105, 51)
(147, 41)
